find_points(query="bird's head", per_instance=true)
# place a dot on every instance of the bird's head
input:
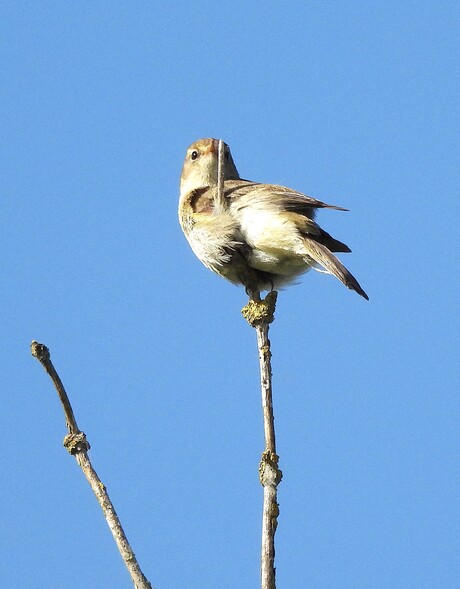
(201, 163)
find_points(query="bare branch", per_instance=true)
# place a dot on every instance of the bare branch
(260, 314)
(76, 444)
(41, 352)
(220, 198)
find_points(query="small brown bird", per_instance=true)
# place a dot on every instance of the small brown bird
(262, 236)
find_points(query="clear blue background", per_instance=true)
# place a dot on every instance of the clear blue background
(355, 103)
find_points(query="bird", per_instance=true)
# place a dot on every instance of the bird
(261, 236)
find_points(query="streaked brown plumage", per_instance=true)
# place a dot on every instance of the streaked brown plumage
(265, 235)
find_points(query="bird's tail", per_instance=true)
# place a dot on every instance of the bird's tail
(320, 254)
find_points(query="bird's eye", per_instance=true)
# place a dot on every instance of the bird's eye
(194, 155)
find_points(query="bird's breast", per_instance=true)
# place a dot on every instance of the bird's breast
(213, 238)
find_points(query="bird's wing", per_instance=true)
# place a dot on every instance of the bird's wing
(247, 193)
(296, 207)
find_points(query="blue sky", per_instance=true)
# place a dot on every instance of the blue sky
(354, 103)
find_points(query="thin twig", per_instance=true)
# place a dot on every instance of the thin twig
(77, 445)
(260, 314)
(220, 198)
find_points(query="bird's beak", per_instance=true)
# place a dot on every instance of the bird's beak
(213, 147)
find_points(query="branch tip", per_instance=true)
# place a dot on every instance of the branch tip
(258, 312)
(39, 351)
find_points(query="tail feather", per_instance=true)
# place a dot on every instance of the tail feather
(333, 245)
(329, 262)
